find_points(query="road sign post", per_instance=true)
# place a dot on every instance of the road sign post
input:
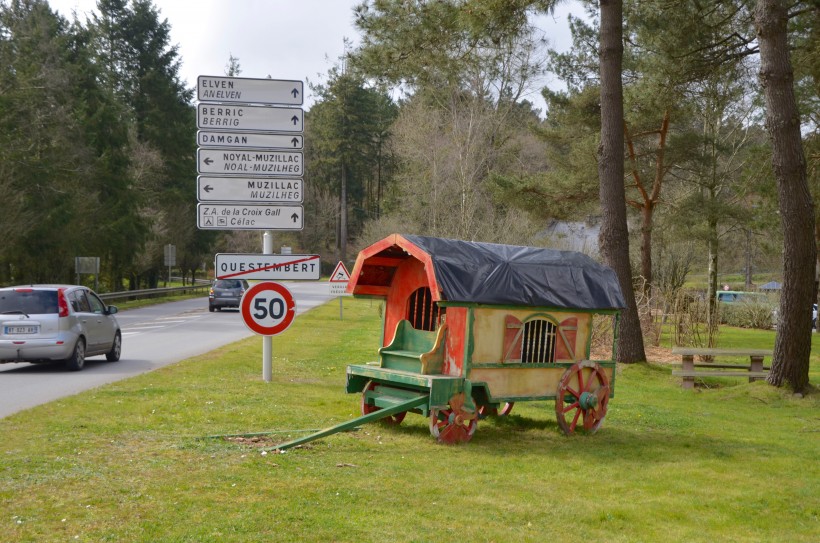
(250, 141)
(170, 258)
(338, 284)
(267, 308)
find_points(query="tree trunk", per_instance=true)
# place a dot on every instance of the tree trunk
(648, 200)
(792, 348)
(749, 252)
(647, 212)
(614, 236)
(712, 317)
(343, 217)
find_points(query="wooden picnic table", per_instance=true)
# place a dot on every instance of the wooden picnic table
(754, 370)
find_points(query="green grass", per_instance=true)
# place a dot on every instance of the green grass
(128, 462)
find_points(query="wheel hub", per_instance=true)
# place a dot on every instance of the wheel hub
(588, 400)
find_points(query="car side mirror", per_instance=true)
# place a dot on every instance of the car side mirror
(112, 309)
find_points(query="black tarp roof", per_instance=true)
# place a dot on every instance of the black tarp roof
(491, 273)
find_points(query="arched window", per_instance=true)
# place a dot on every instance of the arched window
(538, 342)
(422, 312)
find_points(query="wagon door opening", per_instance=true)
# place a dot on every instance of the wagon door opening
(422, 312)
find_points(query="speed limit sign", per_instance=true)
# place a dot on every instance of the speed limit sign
(267, 308)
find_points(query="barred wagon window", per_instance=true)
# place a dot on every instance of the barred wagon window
(422, 312)
(538, 342)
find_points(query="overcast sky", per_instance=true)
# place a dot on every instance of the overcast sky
(286, 39)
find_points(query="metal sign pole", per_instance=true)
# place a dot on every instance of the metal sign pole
(267, 341)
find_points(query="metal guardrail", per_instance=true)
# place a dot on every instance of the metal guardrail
(149, 292)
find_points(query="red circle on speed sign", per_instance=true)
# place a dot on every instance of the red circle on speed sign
(267, 308)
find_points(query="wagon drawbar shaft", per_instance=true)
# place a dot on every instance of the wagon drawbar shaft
(397, 407)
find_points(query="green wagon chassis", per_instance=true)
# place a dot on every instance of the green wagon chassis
(454, 404)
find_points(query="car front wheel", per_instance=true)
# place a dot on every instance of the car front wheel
(116, 349)
(76, 361)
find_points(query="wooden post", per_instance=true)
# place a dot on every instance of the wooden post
(756, 365)
(688, 365)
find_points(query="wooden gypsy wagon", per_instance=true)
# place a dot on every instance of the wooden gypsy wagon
(471, 328)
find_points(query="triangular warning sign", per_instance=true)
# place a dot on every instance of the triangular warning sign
(340, 274)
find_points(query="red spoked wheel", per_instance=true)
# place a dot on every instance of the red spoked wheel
(453, 425)
(370, 408)
(487, 411)
(583, 396)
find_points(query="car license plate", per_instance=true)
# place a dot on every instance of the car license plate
(17, 330)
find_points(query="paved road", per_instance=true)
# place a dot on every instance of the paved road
(153, 337)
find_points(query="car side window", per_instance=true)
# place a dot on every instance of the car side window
(82, 302)
(75, 303)
(96, 304)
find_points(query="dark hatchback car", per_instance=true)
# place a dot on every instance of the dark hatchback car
(226, 293)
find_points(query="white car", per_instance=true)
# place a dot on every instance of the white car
(47, 323)
(813, 316)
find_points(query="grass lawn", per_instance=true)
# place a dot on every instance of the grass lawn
(130, 461)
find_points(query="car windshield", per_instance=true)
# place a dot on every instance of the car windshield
(229, 283)
(736, 296)
(35, 302)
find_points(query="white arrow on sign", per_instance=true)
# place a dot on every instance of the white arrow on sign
(249, 189)
(267, 267)
(245, 117)
(249, 217)
(256, 91)
(249, 163)
(249, 140)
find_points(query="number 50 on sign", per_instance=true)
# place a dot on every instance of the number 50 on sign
(267, 308)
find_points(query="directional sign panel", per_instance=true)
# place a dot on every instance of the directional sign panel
(255, 91)
(249, 163)
(249, 217)
(245, 117)
(267, 267)
(249, 140)
(250, 189)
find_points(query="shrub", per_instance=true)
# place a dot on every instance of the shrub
(747, 315)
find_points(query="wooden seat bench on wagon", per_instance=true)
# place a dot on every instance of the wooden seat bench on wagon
(754, 369)
(414, 350)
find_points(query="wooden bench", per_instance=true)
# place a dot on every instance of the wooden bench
(754, 370)
(418, 351)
